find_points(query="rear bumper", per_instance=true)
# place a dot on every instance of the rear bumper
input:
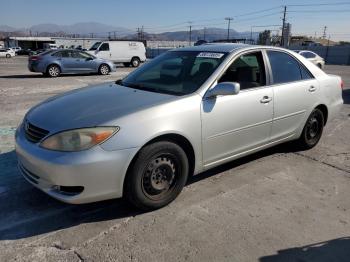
(99, 172)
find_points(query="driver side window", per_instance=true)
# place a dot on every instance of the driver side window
(248, 70)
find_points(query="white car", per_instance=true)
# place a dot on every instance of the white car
(312, 57)
(8, 53)
(126, 52)
(16, 49)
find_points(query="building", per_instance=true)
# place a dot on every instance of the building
(34, 42)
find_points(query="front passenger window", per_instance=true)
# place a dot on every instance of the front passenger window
(248, 70)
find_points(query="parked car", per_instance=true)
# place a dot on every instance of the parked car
(126, 52)
(24, 52)
(180, 114)
(8, 53)
(16, 49)
(312, 57)
(55, 62)
(50, 46)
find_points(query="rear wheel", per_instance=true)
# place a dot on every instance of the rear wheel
(8, 56)
(313, 129)
(103, 69)
(53, 71)
(157, 175)
(135, 62)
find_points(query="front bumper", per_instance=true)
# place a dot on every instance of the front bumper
(99, 172)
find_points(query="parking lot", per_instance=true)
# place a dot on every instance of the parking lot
(277, 205)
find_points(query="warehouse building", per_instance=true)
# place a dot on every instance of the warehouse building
(34, 42)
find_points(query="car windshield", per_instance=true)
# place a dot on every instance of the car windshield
(175, 72)
(95, 46)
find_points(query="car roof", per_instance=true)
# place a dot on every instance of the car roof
(215, 47)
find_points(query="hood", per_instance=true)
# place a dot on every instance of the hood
(92, 106)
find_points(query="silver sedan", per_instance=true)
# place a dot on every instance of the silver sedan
(184, 112)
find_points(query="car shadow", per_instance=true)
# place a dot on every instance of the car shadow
(331, 250)
(346, 96)
(27, 212)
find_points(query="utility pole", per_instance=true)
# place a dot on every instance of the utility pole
(228, 26)
(142, 34)
(109, 35)
(115, 37)
(190, 33)
(324, 32)
(283, 25)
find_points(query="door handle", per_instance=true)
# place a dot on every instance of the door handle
(265, 100)
(312, 89)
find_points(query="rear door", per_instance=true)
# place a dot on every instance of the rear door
(295, 93)
(66, 61)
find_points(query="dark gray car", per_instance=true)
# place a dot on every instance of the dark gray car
(67, 61)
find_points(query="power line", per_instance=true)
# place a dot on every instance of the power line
(324, 4)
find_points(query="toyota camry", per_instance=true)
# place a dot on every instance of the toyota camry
(186, 111)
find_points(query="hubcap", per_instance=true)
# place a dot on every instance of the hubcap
(159, 177)
(135, 62)
(104, 70)
(54, 71)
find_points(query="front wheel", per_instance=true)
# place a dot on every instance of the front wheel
(8, 56)
(313, 129)
(157, 175)
(103, 69)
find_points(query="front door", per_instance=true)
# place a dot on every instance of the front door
(104, 51)
(236, 124)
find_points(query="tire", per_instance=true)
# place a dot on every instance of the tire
(8, 56)
(53, 71)
(104, 69)
(312, 131)
(157, 175)
(135, 62)
(126, 64)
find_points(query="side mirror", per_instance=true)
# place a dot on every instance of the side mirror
(224, 89)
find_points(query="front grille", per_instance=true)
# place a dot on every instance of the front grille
(33, 133)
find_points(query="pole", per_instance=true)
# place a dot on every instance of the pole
(228, 26)
(204, 33)
(283, 25)
(327, 50)
(190, 35)
(251, 34)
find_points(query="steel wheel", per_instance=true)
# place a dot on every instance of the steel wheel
(157, 175)
(104, 69)
(135, 62)
(313, 129)
(53, 71)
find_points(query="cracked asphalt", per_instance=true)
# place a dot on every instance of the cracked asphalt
(277, 205)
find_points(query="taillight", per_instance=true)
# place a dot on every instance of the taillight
(34, 58)
(342, 84)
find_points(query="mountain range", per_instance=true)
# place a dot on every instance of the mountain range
(101, 30)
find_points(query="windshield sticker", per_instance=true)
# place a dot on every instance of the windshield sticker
(210, 55)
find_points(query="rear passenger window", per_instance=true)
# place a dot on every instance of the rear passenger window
(248, 70)
(284, 68)
(305, 74)
(104, 47)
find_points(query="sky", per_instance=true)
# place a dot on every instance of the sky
(164, 15)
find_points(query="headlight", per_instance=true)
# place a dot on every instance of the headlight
(78, 139)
